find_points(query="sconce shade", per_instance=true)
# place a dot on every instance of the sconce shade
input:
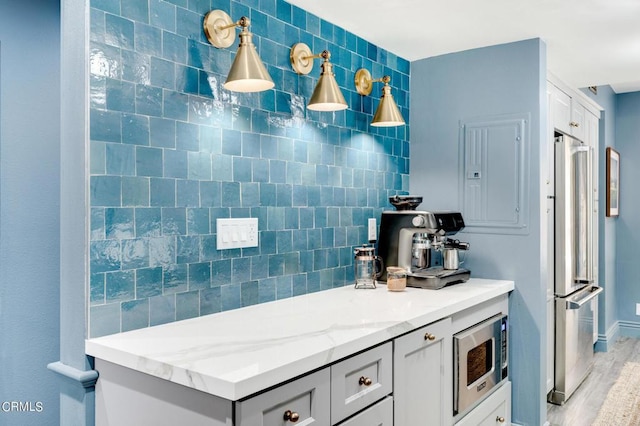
(327, 95)
(388, 114)
(248, 73)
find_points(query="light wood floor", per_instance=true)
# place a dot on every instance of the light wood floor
(583, 406)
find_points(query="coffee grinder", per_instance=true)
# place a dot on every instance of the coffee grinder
(409, 238)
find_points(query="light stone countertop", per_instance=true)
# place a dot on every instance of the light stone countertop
(236, 353)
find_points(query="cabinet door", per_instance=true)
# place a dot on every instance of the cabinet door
(423, 376)
(305, 400)
(493, 411)
(560, 113)
(380, 414)
(577, 123)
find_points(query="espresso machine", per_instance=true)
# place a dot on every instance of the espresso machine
(411, 239)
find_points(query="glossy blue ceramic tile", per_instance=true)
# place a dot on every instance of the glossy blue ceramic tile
(137, 10)
(210, 194)
(231, 296)
(197, 221)
(135, 129)
(97, 289)
(105, 126)
(120, 286)
(162, 15)
(162, 192)
(105, 319)
(120, 95)
(187, 305)
(189, 24)
(174, 221)
(119, 31)
(105, 190)
(199, 276)
(187, 250)
(119, 223)
(148, 39)
(250, 194)
(231, 194)
(210, 301)
(135, 314)
(162, 132)
(105, 255)
(249, 293)
(175, 278)
(284, 287)
(149, 161)
(187, 193)
(135, 253)
(148, 101)
(221, 272)
(240, 269)
(162, 309)
(176, 164)
(222, 168)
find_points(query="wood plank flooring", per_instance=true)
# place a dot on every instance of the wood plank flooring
(583, 406)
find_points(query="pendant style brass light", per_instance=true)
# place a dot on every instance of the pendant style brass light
(388, 114)
(327, 95)
(247, 73)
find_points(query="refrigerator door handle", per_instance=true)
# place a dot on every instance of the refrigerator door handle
(577, 304)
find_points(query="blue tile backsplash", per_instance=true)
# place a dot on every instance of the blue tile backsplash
(172, 151)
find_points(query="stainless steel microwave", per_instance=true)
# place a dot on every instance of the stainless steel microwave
(480, 355)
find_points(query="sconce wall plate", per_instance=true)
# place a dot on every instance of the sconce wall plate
(364, 82)
(301, 58)
(219, 29)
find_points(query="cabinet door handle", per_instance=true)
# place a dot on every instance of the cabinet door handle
(429, 336)
(574, 124)
(291, 416)
(365, 381)
(499, 419)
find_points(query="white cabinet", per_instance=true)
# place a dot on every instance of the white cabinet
(567, 114)
(305, 399)
(380, 414)
(494, 411)
(423, 378)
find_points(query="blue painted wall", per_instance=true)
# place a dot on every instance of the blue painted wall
(628, 223)
(29, 204)
(171, 151)
(607, 315)
(503, 79)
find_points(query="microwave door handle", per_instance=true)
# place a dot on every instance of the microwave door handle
(577, 304)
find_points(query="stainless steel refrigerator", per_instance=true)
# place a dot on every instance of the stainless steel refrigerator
(574, 266)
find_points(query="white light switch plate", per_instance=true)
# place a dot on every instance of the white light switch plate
(237, 233)
(372, 229)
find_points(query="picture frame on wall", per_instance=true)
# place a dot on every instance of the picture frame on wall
(613, 182)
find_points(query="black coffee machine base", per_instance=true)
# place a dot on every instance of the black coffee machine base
(437, 277)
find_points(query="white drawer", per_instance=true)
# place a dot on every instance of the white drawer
(360, 381)
(493, 411)
(305, 399)
(380, 414)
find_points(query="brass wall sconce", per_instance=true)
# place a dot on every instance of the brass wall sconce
(326, 95)
(387, 114)
(247, 73)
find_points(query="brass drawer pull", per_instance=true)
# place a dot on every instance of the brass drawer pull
(365, 381)
(500, 419)
(292, 416)
(574, 124)
(429, 336)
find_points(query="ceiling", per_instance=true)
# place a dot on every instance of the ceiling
(589, 42)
